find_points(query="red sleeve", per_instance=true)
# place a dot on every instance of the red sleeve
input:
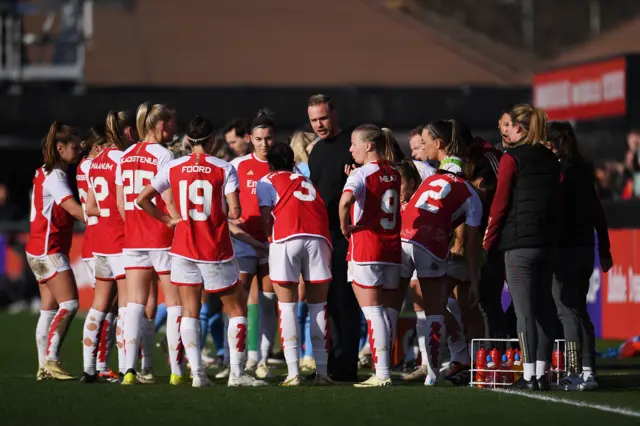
(507, 172)
(600, 224)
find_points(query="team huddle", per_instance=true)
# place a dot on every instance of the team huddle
(199, 223)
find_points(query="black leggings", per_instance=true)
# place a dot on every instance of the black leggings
(572, 274)
(529, 275)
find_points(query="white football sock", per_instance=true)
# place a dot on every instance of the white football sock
(290, 337)
(91, 338)
(541, 368)
(421, 332)
(529, 370)
(148, 337)
(174, 342)
(107, 336)
(378, 339)
(226, 340)
(237, 337)
(59, 328)
(319, 329)
(122, 358)
(268, 323)
(42, 332)
(190, 333)
(392, 314)
(435, 332)
(132, 331)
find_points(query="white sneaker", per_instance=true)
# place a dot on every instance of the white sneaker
(307, 365)
(201, 381)
(264, 371)
(224, 372)
(245, 380)
(417, 374)
(373, 382)
(291, 382)
(146, 377)
(207, 359)
(589, 383)
(250, 366)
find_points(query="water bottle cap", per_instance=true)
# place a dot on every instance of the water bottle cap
(489, 358)
(517, 357)
(504, 358)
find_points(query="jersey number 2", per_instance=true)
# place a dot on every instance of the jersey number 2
(442, 189)
(134, 182)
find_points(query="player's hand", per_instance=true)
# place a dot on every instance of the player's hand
(349, 229)
(172, 222)
(350, 169)
(237, 222)
(606, 263)
(457, 250)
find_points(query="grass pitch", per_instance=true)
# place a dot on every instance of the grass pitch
(23, 401)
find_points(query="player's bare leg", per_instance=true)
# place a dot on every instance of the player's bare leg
(233, 300)
(415, 292)
(370, 300)
(393, 300)
(435, 292)
(48, 310)
(174, 315)
(103, 297)
(268, 320)
(64, 290)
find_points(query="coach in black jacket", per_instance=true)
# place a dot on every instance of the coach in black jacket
(524, 213)
(582, 214)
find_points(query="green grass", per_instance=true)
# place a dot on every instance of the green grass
(25, 401)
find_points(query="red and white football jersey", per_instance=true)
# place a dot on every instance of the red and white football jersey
(200, 183)
(140, 163)
(441, 203)
(83, 191)
(103, 178)
(51, 226)
(298, 210)
(377, 209)
(250, 170)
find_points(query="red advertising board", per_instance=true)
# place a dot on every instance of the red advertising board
(583, 92)
(621, 295)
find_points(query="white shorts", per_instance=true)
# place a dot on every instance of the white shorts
(370, 275)
(90, 266)
(458, 269)
(215, 277)
(418, 260)
(109, 268)
(306, 256)
(46, 267)
(158, 260)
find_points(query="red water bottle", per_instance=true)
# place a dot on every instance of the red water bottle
(557, 363)
(481, 364)
(492, 374)
(511, 355)
(495, 356)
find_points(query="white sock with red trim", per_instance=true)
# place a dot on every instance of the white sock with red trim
(42, 332)
(392, 314)
(174, 342)
(107, 335)
(91, 339)
(59, 328)
(319, 329)
(120, 343)
(435, 332)
(131, 334)
(421, 333)
(378, 339)
(190, 333)
(290, 337)
(237, 338)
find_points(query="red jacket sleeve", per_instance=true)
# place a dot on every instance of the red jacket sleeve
(507, 172)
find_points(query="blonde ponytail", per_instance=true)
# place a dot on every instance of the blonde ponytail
(141, 118)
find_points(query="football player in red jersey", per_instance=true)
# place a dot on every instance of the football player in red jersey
(146, 241)
(53, 209)
(104, 184)
(297, 224)
(206, 193)
(369, 210)
(251, 168)
(442, 202)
